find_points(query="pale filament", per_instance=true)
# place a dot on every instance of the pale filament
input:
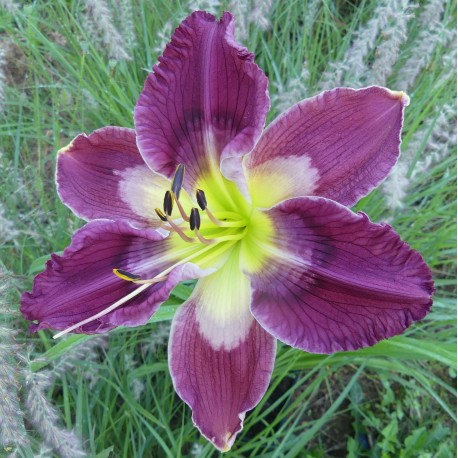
(212, 218)
(203, 239)
(181, 209)
(222, 238)
(179, 231)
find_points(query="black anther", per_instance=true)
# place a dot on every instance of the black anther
(194, 219)
(168, 203)
(201, 199)
(178, 180)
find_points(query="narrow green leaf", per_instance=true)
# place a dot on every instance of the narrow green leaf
(39, 264)
(62, 347)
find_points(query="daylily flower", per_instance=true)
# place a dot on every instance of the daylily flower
(198, 191)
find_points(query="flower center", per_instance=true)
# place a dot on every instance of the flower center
(228, 225)
(208, 237)
(223, 219)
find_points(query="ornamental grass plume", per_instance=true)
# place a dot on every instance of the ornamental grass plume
(294, 89)
(249, 12)
(12, 430)
(354, 68)
(9, 5)
(45, 417)
(431, 145)
(23, 394)
(88, 351)
(432, 33)
(13, 434)
(3, 64)
(259, 218)
(99, 24)
(394, 36)
(126, 23)
(163, 37)
(7, 227)
(42, 414)
(211, 6)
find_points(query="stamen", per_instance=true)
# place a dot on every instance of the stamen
(178, 230)
(194, 219)
(202, 202)
(201, 199)
(178, 181)
(160, 214)
(168, 203)
(182, 212)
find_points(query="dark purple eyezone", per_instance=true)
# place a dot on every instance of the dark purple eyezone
(160, 213)
(194, 219)
(178, 181)
(168, 203)
(201, 199)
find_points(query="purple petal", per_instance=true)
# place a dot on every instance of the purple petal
(342, 143)
(104, 176)
(205, 102)
(337, 281)
(81, 283)
(220, 386)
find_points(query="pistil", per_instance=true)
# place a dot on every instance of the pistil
(124, 275)
(220, 238)
(104, 312)
(214, 253)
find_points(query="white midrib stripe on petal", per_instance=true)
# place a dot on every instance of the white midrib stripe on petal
(223, 306)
